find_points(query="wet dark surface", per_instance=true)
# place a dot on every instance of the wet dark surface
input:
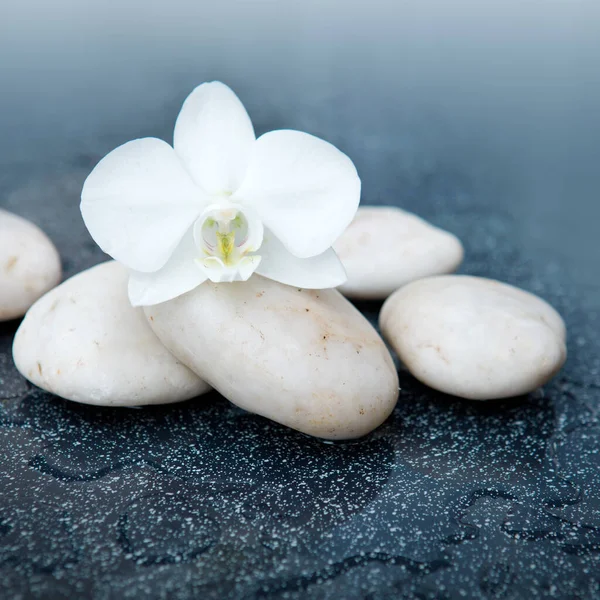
(448, 499)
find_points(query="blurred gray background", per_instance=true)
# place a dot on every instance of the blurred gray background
(495, 100)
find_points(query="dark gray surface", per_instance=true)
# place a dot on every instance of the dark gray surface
(483, 118)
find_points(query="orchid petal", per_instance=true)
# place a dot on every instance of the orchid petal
(304, 189)
(180, 275)
(138, 202)
(317, 272)
(214, 137)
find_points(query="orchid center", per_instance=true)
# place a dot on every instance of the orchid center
(226, 236)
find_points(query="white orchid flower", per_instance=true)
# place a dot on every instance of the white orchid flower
(221, 204)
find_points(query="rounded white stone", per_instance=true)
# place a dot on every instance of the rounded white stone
(473, 337)
(29, 265)
(385, 248)
(84, 342)
(304, 358)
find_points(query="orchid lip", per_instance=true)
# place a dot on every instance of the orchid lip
(225, 235)
(218, 272)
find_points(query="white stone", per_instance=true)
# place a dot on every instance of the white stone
(385, 248)
(83, 341)
(304, 358)
(29, 265)
(473, 337)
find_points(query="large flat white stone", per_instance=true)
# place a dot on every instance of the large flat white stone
(473, 337)
(84, 342)
(385, 248)
(306, 359)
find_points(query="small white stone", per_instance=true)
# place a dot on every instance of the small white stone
(385, 248)
(304, 358)
(473, 337)
(84, 342)
(29, 265)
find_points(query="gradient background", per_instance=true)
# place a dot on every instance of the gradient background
(504, 95)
